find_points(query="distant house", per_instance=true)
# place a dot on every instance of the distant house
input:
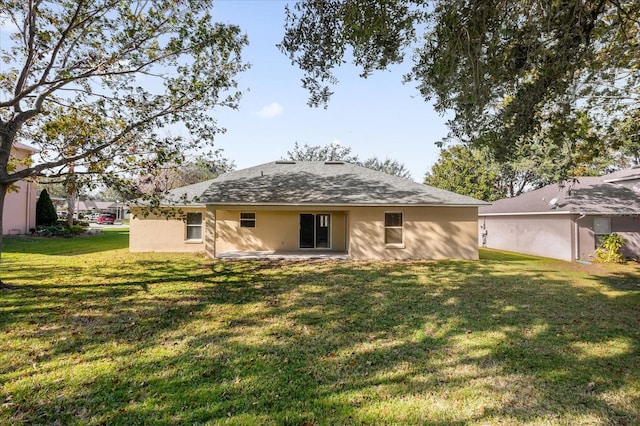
(567, 221)
(19, 214)
(313, 207)
(87, 207)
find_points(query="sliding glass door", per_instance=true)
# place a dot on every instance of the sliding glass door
(315, 230)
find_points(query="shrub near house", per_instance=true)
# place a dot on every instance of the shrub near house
(45, 211)
(609, 250)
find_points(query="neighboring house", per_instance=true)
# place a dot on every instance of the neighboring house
(567, 221)
(90, 209)
(19, 214)
(94, 207)
(288, 206)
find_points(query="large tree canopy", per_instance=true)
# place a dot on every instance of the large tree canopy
(92, 83)
(513, 72)
(475, 171)
(467, 171)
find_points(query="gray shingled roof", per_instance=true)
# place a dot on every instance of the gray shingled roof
(189, 193)
(25, 147)
(587, 195)
(632, 173)
(317, 183)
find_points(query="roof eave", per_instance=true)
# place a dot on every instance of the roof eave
(198, 205)
(555, 213)
(621, 179)
(344, 204)
(25, 147)
(561, 213)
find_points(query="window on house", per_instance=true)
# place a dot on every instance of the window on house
(393, 228)
(247, 220)
(194, 226)
(601, 228)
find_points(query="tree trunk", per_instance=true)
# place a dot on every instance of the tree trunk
(72, 190)
(71, 208)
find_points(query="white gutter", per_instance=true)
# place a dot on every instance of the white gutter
(622, 179)
(164, 206)
(306, 205)
(633, 213)
(527, 213)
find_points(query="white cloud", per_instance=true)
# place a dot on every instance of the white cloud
(270, 111)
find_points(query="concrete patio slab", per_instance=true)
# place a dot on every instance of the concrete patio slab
(295, 255)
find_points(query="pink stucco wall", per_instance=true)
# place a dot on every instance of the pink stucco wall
(586, 238)
(565, 237)
(629, 228)
(19, 214)
(538, 235)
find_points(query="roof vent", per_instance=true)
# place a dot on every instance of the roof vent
(285, 162)
(552, 202)
(333, 163)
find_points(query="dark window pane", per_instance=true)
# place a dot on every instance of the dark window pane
(307, 224)
(194, 218)
(247, 220)
(393, 219)
(602, 225)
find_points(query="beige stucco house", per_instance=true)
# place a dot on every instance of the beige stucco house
(312, 207)
(19, 214)
(567, 221)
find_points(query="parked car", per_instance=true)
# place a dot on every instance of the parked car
(106, 219)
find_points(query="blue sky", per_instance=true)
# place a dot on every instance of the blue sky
(378, 116)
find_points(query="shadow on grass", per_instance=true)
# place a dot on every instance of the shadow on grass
(327, 343)
(112, 239)
(621, 281)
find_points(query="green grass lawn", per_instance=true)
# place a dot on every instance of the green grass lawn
(93, 334)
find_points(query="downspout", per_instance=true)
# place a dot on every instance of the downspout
(347, 233)
(577, 239)
(215, 231)
(28, 209)
(26, 219)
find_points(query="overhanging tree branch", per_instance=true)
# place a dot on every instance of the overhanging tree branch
(75, 95)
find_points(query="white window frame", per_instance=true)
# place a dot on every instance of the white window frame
(193, 226)
(401, 228)
(247, 220)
